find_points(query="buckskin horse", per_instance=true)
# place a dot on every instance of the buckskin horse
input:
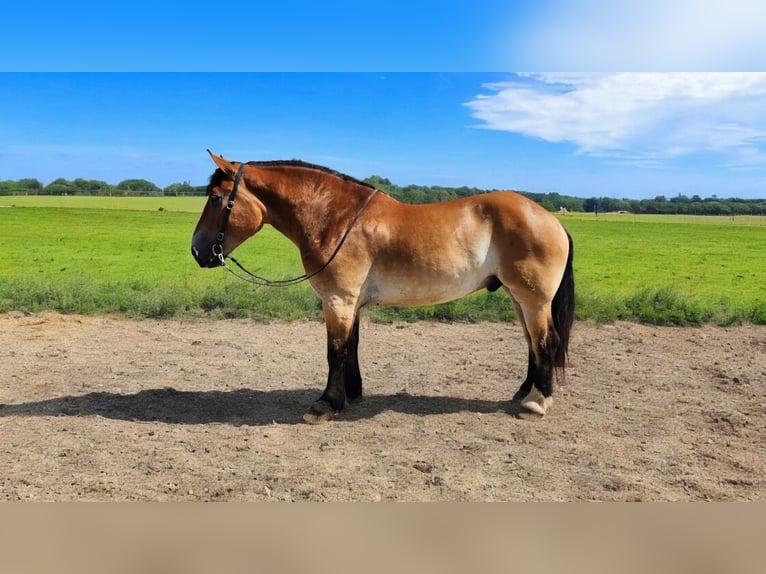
(359, 246)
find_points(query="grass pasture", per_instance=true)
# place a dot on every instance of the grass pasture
(125, 255)
(131, 256)
(669, 269)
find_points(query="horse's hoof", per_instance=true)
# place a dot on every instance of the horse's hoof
(535, 405)
(320, 412)
(316, 419)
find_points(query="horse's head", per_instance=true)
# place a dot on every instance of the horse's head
(230, 216)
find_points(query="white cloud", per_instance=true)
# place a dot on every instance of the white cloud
(646, 118)
(692, 35)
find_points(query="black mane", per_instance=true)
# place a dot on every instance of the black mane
(219, 176)
(300, 163)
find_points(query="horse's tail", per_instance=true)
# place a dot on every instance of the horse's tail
(564, 310)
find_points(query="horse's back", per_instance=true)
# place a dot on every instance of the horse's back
(509, 218)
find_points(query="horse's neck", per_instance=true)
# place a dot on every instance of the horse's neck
(303, 212)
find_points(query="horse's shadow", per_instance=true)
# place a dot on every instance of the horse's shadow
(241, 407)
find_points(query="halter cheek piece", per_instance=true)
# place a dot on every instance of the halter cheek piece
(256, 279)
(218, 245)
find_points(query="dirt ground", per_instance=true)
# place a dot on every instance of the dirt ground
(105, 408)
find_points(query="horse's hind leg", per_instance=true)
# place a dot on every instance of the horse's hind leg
(544, 342)
(529, 380)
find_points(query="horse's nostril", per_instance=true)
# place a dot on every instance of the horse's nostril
(195, 253)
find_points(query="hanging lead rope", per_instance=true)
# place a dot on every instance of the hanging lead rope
(262, 281)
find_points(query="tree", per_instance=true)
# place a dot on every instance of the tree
(379, 182)
(7, 187)
(184, 188)
(571, 203)
(30, 185)
(138, 187)
(21, 187)
(548, 204)
(91, 187)
(59, 186)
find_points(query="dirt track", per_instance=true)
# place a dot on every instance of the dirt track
(103, 408)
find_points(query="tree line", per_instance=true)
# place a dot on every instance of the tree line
(679, 204)
(80, 186)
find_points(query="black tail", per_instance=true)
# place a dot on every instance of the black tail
(564, 310)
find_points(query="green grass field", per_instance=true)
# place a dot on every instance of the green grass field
(670, 269)
(131, 256)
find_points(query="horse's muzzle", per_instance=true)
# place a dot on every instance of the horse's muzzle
(205, 259)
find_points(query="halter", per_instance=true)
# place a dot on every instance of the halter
(262, 281)
(218, 245)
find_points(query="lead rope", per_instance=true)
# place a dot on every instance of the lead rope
(263, 282)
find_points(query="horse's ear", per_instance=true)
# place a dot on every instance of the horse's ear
(225, 165)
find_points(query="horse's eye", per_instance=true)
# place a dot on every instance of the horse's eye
(215, 200)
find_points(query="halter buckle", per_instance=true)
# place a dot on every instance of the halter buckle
(218, 252)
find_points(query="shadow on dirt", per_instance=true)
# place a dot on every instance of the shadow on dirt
(241, 407)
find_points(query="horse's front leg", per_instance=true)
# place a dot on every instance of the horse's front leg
(342, 338)
(353, 380)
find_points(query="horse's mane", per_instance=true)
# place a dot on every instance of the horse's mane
(218, 176)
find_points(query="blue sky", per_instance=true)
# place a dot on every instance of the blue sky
(253, 81)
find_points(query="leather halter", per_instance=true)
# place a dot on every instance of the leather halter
(218, 245)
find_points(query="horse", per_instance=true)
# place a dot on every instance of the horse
(360, 247)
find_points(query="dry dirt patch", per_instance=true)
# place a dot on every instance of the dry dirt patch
(105, 408)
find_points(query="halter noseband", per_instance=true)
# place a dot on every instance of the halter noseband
(218, 245)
